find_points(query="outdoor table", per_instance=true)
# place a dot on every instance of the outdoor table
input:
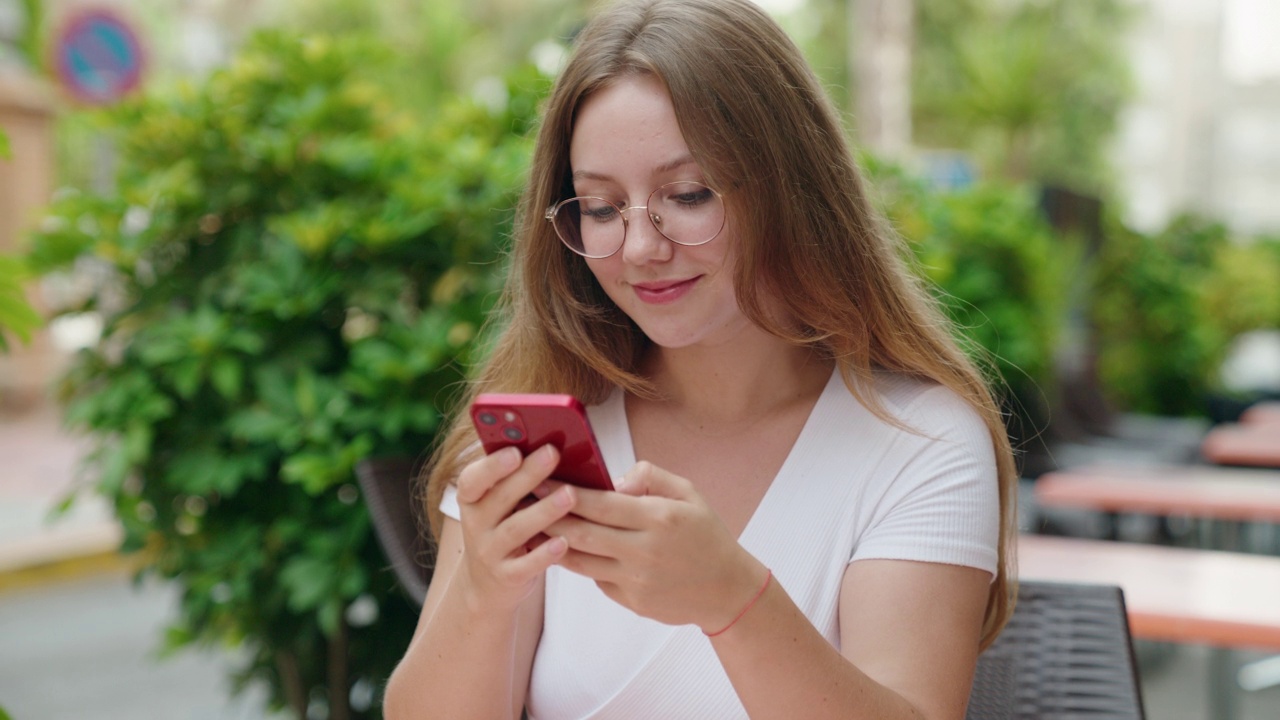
(1262, 412)
(1257, 445)
(1221, 599)
(1173, 594)
(1201, 491)
(1226, 496)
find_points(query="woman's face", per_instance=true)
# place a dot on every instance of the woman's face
(626, 143)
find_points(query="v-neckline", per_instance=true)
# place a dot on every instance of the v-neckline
(795, 456)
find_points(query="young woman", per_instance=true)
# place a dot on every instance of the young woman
(813, 504)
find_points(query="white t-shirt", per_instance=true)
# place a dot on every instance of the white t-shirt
(852, 488)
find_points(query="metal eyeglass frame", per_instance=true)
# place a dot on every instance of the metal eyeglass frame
(624, 211)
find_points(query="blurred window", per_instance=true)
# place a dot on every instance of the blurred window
(1250, 52)
(12, 23)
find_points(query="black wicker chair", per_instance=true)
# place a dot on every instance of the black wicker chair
(388, 488)
(1066, 653)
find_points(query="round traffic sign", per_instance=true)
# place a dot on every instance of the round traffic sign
(98, 57)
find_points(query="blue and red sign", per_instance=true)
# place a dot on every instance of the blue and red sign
(98, 57)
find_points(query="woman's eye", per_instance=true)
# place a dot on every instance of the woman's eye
(693, 197)
(601, 213)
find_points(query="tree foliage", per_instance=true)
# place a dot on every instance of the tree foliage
(999, 270)
(1168, 305)
(1033, 87)
(16, 315)
(296, 271)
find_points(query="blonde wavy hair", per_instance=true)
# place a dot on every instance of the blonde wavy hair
(759, 124)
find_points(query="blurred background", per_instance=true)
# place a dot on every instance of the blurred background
(247, 244)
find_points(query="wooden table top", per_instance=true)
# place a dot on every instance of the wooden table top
(1262, 412)
(1172, 594)
(1197, 490)
(1255, 444)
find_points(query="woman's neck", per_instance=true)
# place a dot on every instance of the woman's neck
(727, 384)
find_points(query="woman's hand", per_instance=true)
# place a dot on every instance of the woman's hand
(656, 547)
(505, 545)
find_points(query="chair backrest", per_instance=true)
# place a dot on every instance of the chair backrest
(1066, 653)
(388, 487)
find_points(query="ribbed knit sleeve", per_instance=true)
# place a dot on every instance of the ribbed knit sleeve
(939, 502)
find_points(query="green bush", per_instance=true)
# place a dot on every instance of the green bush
(1242, 292)
(16, 316)
(1168, 305)
(1159, 346)
(1002, 276)
(1032, 90)
(296, 272)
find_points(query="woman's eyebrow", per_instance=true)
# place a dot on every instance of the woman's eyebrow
(674, 164)
(665, 167)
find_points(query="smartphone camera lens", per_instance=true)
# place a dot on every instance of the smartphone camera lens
(512, 433)
(488, 418)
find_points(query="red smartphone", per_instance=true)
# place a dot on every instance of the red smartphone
(529, 421)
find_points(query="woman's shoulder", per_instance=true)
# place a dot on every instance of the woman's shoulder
(925, 404)
(902, 391)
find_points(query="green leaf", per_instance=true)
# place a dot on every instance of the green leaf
(186, 376)
(205, 470)
(308, 582)
(5, 154)
(305, 394)
(227, 376)
(329, 616)
(258, 424)
(113, 467)
(137, 441)
(353, 582)
(16, 315)
(313, 471)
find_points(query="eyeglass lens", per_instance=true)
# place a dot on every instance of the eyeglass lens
(686, 213)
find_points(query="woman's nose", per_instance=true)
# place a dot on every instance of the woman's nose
(643, 242)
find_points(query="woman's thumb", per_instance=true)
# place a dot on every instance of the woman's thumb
(648, 479)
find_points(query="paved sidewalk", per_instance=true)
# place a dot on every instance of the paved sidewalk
(78, 639)
(39, 468)
(85, 647)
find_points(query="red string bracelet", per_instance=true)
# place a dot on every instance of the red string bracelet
(768, 576)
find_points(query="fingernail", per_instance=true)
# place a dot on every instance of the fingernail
(557, 545)
(563, 498)
(542, 490)
(510, 454)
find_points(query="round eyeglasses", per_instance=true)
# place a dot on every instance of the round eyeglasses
(686, 213)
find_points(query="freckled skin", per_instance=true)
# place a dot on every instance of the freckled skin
(624, 135)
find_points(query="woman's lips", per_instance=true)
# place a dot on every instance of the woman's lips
(659, 293)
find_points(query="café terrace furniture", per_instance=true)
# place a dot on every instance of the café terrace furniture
(1256, 444)
(389, 490)
(1066, 653)
(1267, 412)
(1228, 496)
(1224, 600)
(1218, 498)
